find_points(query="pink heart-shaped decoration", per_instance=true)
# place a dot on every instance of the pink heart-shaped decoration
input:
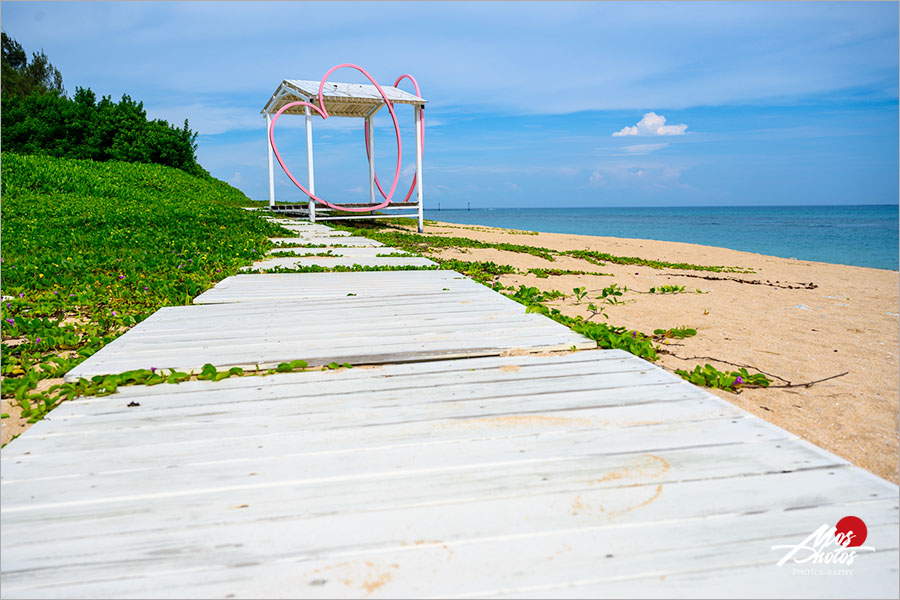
(324, 114)
(412, 186)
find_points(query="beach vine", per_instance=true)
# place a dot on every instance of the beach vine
(91, 249)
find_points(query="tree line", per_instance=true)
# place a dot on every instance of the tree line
(39, 118)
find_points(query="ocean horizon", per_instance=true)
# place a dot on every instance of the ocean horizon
(856, 235)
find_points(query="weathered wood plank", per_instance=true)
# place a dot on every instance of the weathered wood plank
(303, 286)
(478, 530)
(267, 333)
(335, 261)
(307, 229)
(326, 240)
(369, 252)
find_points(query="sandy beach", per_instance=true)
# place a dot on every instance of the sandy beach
(802, 321)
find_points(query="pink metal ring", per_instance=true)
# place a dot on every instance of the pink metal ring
(422, 135)
(323, 112)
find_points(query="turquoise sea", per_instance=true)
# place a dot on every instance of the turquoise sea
(864, 236)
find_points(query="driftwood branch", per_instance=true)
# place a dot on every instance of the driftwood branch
(777, 284)
(809, 383)
(752, 386)
(713, 358)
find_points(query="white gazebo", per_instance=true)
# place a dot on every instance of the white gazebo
(344, 100)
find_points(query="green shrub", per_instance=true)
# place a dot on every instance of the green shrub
(81, 127)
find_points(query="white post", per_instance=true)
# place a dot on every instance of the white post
(271, 162)
(419, 198)
(309, 165)
(371, 127)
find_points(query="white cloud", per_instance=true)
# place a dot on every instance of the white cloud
(652, 124)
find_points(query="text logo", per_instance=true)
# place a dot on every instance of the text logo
(834, 545)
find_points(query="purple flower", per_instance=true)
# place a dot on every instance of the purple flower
(634, 334)
(114, 314)
(738, 379)
(21, 295)
(56, 293)
(121, 277)
(11, 321)
(218, 270)
(153, 369)
(37, 341)
(146, 288)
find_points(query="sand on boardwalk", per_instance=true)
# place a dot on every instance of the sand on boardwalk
(847, 322)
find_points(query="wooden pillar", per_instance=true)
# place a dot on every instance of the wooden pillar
(419, 195)
(309, 165)
(370, 124)
(271, 162)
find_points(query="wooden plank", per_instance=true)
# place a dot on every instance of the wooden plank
(321, 231)
(303, 286)
(326, 240)
(335, 261)
(299, 224)
(268, 333)
(369, 252)
(545, 565)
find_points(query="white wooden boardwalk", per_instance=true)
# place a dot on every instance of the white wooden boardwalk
(579, 474)
(344, 324)
(589, 474)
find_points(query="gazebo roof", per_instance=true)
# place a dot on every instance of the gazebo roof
(341, 99)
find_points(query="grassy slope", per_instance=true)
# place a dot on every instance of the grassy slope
(90, 249)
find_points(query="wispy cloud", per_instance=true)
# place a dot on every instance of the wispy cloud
(636, 176)
(715, 54)
(652, 124)
(641, 149)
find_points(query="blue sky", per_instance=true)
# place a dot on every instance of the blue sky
(752, 103)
